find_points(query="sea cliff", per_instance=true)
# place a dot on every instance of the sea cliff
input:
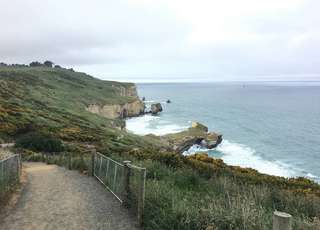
(129, 109)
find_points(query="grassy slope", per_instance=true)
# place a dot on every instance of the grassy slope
(54, 101)
(182, 193)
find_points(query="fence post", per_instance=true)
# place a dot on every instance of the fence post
(69, 161)
(20, 163)
(141, 196)
(18, 168)
(3, 188)
(93, 154)
(281, 221)
(126, 182)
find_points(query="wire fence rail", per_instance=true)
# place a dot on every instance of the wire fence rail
(124, 180)
(10, 170)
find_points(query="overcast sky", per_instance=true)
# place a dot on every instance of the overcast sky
(167, 40)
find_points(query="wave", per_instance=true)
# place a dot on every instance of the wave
(244, 156)
(230, 152)
(149, 124)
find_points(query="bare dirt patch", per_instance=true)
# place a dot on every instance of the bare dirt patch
(56, 198)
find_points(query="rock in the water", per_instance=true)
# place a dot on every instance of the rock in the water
(156, 108)
(200, 126)
(185, 143)
(213, 140)
(168, 101)
(197, 134)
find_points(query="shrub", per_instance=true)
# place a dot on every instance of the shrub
(35, 64)
(40, 142)
(186, 179)
(156, 170)
(48, 64)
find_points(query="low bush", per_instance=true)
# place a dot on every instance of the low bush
(39, 142)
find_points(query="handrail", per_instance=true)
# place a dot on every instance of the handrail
(103, 156)
(10, 173)
(108, 188)
(9, 157)
(125, 181)
(136, 167)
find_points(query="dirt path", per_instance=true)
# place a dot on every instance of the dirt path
(56, 198)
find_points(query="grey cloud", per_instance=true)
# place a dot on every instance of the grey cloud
(121, 40)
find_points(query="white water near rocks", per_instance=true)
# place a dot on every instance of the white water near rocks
(276, 136)
(149, 124)
(231, 153)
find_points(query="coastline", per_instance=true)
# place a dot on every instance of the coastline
(231, 152)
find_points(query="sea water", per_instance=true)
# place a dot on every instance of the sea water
(273, 127)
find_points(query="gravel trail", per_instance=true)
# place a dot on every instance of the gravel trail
(56, 198)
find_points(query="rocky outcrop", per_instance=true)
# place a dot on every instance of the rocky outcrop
(156, 108)
(129, 91)
(134, 106)
(131, 109)
(197, 134)
(198, 125)
(212, 140)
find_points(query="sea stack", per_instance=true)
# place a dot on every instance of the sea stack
(156, 108)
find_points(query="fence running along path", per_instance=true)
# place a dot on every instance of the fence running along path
(10, 169)
(124, 180)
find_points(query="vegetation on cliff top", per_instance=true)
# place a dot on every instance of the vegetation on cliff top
(196, 192)
(53, 100)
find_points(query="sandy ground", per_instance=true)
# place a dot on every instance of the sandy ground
(56, 198)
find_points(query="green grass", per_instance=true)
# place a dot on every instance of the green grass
(182, 192)
(181, 198)
(53, 101)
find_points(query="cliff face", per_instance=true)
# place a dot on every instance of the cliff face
(134, 106)
(131, 109)
(130, 91)
(55, 100)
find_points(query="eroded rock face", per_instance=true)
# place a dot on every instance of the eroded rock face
(130, 91)
(156, 108)
(197, 134)
(132, 109)
(198, 125)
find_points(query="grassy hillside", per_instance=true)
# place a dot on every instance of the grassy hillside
(195, 192)
(53, 101)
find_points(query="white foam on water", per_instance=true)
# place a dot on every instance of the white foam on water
(149, 124)
(244, 156)
(231, 153)
(195, 149)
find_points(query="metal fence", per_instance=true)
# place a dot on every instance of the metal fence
(124, 180)
(10, 169)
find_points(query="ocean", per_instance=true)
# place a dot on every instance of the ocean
(273, 127)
